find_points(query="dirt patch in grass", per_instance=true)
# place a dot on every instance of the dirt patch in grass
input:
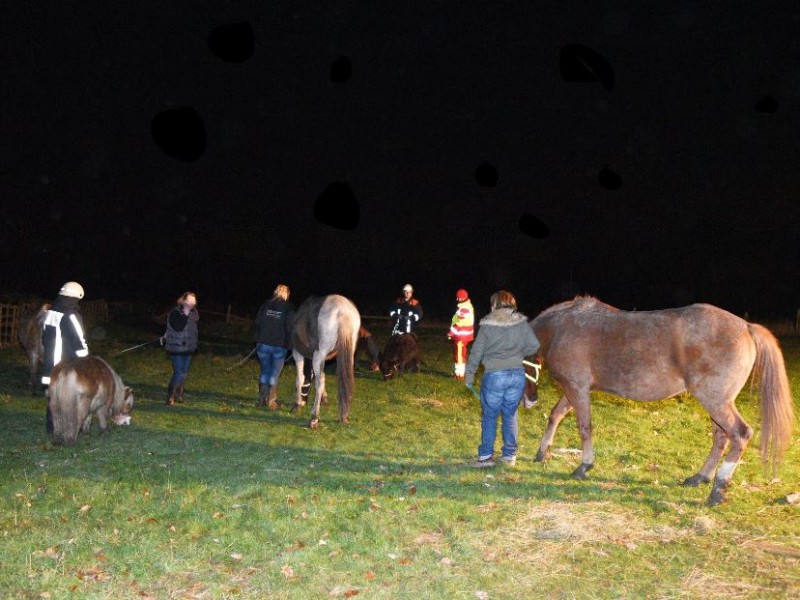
(546, 531)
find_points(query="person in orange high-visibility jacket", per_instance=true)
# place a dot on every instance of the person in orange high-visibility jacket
(462, 332)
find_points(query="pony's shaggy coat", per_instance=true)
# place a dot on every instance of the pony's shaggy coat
(81, 387)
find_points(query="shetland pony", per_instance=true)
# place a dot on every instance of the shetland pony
(323, 325)
(401, 354)
(81, 387)
(650, 355)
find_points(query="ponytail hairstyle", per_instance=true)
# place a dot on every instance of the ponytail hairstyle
(503, 299)
(282, 292)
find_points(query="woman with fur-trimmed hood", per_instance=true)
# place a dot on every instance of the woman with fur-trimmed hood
(504, 339)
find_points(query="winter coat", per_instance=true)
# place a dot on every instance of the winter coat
(62, 335)
(462, 326)
(504, 339)
(274, 321)
(405, 314)
(182, 336)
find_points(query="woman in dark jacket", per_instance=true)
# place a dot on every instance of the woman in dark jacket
(180, 342)
(273, 339)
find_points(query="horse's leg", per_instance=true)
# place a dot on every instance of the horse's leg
(583, 415)
(299, 401)
(102, 414)
(560, 410)
(33, 368)
(739, 434)
(717, 448)
(319, 373)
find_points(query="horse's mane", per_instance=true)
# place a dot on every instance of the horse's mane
(578, 303)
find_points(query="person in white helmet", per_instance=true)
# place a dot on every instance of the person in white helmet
(62, 334)
(406, 311)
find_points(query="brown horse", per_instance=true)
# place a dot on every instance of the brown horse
(30, 336)
(323, 325)
(587, 345)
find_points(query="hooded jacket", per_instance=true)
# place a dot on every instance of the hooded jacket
(504, 339)
(274, 321)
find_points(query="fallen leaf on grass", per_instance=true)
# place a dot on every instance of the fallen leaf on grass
(85, 508)
(287, 571)
(412, 489)
(350, 593)
(217, 515)
(793, 498)
(236, 556)
(369, 575)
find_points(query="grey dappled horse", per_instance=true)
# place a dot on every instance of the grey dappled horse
(650, 355)
(323, 325)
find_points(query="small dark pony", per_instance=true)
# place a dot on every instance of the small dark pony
(323, 325)
(650, 355)
(401, 354)
(30, 336)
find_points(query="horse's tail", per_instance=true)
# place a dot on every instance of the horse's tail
(345, 361)
(63, 399)
(777, 412)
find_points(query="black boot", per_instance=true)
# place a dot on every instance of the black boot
(263, 392)
(171, 395)
(179, 394)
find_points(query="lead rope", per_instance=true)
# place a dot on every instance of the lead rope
(537, 366)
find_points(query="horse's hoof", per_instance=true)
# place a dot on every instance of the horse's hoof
(716, 497)
(541, 456)
(695, 480)
(313, 423)
(580, 472)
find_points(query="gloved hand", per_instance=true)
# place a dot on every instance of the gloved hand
(472, 389)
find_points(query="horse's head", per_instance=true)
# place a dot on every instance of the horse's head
(389, 370)
(530, 396)
(120, 412)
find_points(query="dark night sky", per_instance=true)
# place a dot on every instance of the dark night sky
(702, 125)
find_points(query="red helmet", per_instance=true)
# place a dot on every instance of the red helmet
(462, 295)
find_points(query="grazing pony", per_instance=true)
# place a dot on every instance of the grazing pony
(401, 354)
(323, 325)
(650, 355)
(30, 336)
(81, 387)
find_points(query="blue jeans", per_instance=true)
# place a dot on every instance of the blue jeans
(180, 369)
(501, 392)
(271, 359)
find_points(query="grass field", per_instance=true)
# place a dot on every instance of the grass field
(217, 498)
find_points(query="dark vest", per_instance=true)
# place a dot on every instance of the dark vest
(181, 342)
